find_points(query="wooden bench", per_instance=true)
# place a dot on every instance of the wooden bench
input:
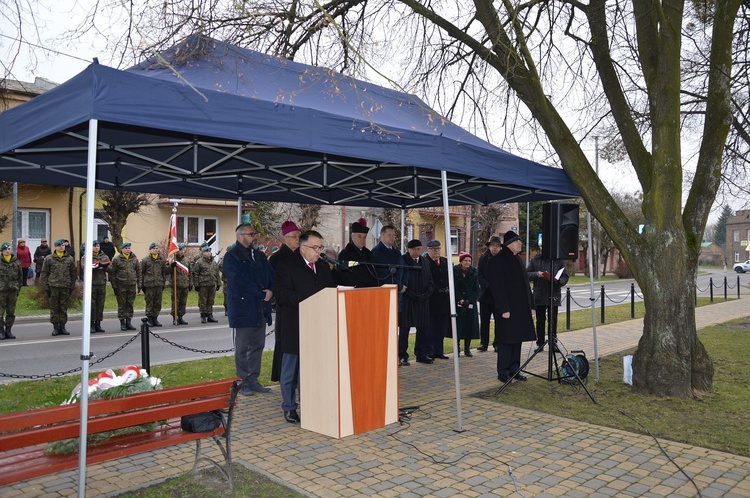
(23, 435)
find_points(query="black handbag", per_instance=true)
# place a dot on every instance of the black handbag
(202, 422)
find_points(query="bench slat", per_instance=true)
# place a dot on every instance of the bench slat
(51, 415)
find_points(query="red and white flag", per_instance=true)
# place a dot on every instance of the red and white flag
(172, 246)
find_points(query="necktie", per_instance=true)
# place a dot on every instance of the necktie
(437, 262)
(312, 266)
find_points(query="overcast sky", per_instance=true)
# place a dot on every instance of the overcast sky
(63, 60)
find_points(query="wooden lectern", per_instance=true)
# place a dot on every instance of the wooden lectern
(349, 360)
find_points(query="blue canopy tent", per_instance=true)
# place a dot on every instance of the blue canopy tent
(209, 119)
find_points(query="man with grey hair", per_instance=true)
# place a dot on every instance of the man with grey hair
(249, 283)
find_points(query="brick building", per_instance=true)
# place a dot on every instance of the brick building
(738, 236)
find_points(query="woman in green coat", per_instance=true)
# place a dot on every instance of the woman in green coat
(466, 280)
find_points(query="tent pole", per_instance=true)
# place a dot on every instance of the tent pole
(239, 210)
(87, 272)
(528, 227)
(452, 293)
(592, 299)
(403, 225)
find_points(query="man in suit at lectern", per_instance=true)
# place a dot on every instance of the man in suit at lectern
(297, 278)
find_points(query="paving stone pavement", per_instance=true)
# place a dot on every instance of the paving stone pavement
(501, 450)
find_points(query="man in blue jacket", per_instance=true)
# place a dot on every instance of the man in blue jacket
(249, 283)
(385, 252)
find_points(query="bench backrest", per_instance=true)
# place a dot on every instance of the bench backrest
(44, 425)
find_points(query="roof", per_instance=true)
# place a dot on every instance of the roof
(210, 119)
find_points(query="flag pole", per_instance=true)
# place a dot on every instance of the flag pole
(172, 248)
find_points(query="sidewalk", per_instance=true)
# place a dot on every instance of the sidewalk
(548, 456)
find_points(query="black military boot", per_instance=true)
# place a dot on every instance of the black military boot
(62, 329)
(128, 325)
(210, 318)
(180, 321)
(123, 327)
(154, 322)
(2, 333)
(203, 318)
(98, 326)
(56, 328)
(8, 334)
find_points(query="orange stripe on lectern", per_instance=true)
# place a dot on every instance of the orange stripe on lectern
(367, 330)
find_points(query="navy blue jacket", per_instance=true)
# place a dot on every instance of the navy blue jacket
(390, 257)
(246, 280)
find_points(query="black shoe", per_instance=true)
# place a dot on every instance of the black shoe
(403, 362)
(62, 330)
(123, 327)
(439, 357)
(425, 360)
(482, 348)
(495, 348)
(291, 416)
(96, 328)
(521, 377)
(503, 379)
(8, 334)
(203, 318)
(467, 353)
(128, 325)
(56, 329)
(256, 387)
(539, 348)
(154, 322)
(180, 321)
(211, 319)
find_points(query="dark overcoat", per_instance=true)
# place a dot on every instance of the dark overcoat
(358, 276)
(414, 303)
(542, 285)
(485, 293)
(280, 255)
(467, 295)
(510, 288)
(283, 253)
(295, 282)
(440, 301)
(248, 274)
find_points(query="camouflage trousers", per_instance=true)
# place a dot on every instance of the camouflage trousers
(153, 297)
(125, 299)
(8, 308)
(59, 301)
(98, 295)
(182, 294)
(206, 298)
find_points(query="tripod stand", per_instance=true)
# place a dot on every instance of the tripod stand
(553, 351)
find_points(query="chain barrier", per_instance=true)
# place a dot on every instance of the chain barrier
(192, 350)
(583, 305)
(74, 370)
(617, 302)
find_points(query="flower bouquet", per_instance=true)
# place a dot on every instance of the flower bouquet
(108, 385)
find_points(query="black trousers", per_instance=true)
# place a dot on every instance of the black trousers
(541, 322)
(438, 329)
(485, 312)
(420, 348)
(508, 359)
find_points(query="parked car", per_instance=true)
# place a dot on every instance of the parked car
(742, 267)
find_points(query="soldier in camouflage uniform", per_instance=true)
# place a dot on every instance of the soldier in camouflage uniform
(59, 280)
(125, 275)
(100, 267)
(11, 280)
(181, 272)
(206, 281)
(154, 271)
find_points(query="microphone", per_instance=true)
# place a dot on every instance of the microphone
(326, 257)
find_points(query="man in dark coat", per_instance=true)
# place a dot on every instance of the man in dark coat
(362, 275)
(486, 301)
(290, 232)
(386, 253)
(249, 284)
(414, 306)
(297, 278)
(513, 304)
(107, 247)
(41, 252)
(440, 300)
(539, 269)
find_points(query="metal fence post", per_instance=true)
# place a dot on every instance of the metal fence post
(711, 287)
(145, 351)
(632, 300)
(738, 286)
(725, 288)
(602, 303)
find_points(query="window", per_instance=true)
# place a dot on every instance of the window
(454, 240)
(736, 256)
(194, 230)
(100, 226)
(735, 235)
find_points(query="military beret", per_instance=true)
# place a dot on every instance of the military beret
(95, 243)
(433, 243)
(124, 245)
(180, 247)
(205, 247)
(414, 243)
(4, 246)
(59, 242)
(152, 245)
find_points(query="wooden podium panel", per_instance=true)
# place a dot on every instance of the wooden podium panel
(349, 360)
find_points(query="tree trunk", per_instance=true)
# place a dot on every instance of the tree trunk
(670, 360)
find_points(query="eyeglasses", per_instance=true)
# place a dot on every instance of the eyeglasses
(315, 248)
(251, 234)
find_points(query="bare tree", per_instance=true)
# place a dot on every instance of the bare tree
(309, 216)
(117, 206)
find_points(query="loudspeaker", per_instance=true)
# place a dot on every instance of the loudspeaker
(560, 231)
